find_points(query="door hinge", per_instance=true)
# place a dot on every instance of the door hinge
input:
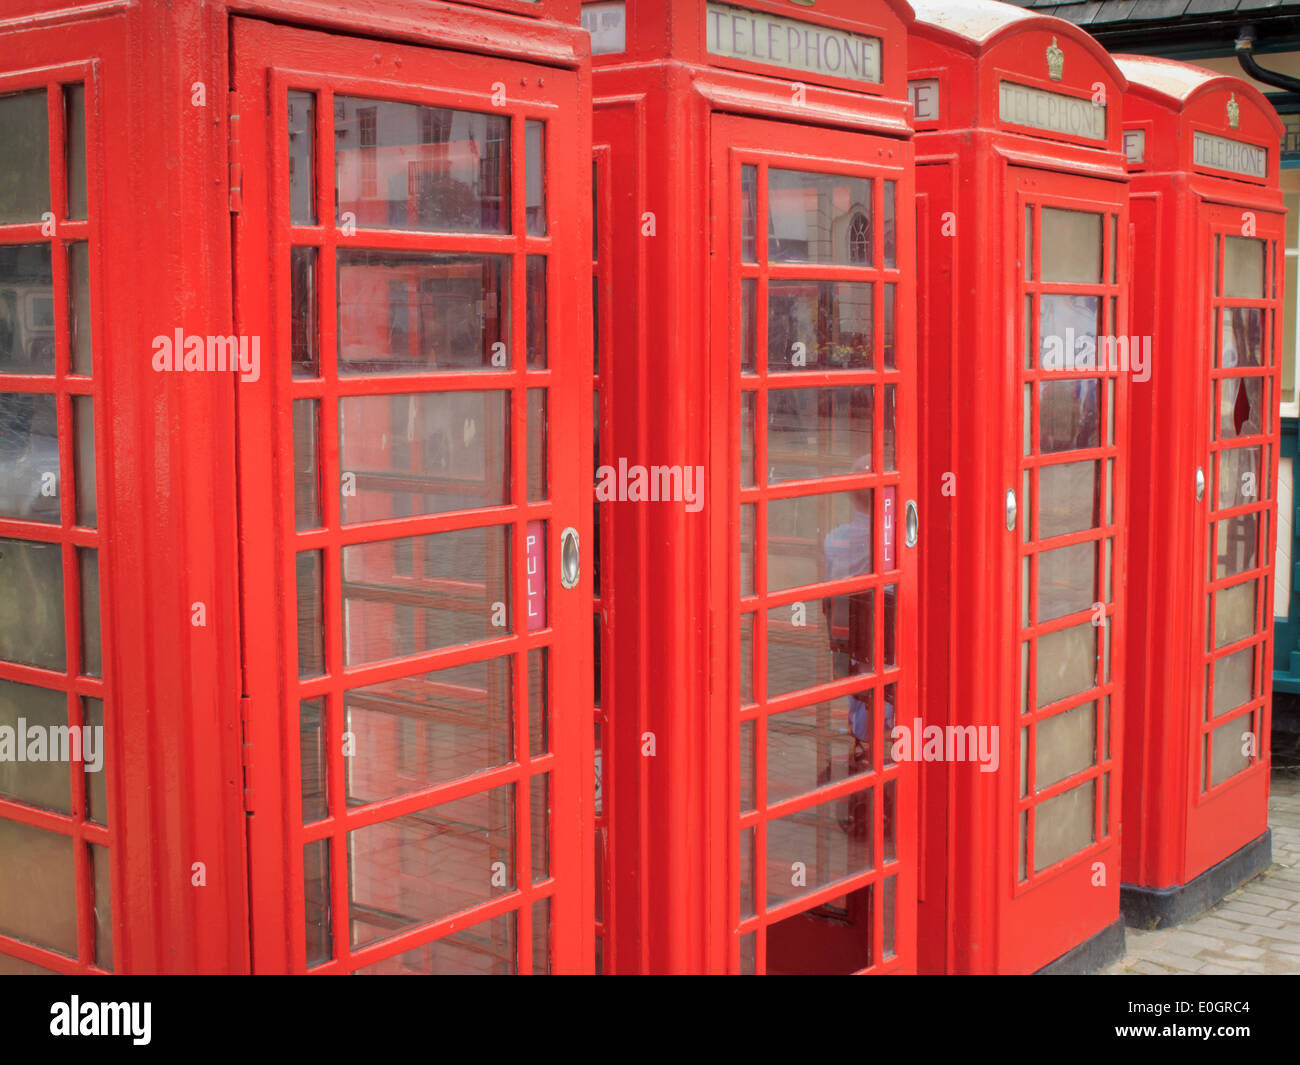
(246, 749)
(236, 159)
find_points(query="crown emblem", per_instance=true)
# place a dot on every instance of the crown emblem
(1055, 61)
(1234, 111)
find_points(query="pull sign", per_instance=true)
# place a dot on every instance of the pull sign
(890, 499)
(570, 558)
(535, 573)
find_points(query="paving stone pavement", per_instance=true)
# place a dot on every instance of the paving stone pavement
(1256, 929)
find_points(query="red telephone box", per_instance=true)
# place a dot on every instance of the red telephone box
(1022, 208)
(755, 243)
(302, 288)
(1209, 225)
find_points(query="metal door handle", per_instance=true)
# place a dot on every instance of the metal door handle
(1200, 484)
(570, 558)
(910, 524)
(1011, 510)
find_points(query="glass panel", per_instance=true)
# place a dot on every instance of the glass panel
(891, 297)
(817, 432)
(36, 747)
(83, 420)
(748, 325)
(746, 659)
(818, 218)
(890, 798)
(302, 157)
(1071, 246)
(890, 890)
(99, 871)
(1114, 248)
(747, 548)
(431, 863)
(746, 873)
(484, 949)
(888, 461)
(405, 166)
(1067, 663)
(1068, 413)
(748, 957)
(1067, 580)
(817, 846)
(1064, 825)
(1029, 243)
(79, 327)
(37, 885)
(890, 624)
(539, 798)
(306, 469)
(1234, 613)
(835, 939)
(316, 897)
(74, 103)
(419, 311)
(313, 759)
(889, 227)
(1067, 498)
(539, 723)
(423, 453)
(747, 730)
(29, 457)
(1231, 743)
(92, 714)
(303, 312)
(887, 725)
(535, 177)
(748, 416)
(1243, 268)
(1067, 331)
(1243, 337)
(25, 133)
(537, 437)
(818, 538)
(26, 301)
(535, 312)
(749, 213)
(819, 325)
(459, 592)
(1238, 544)
(311, 625)
(817, 745)
(428, 729)
(31, 608)
(819, 640)
(1234, 680)
(91, 656)
(1241, 406)
(542, 937)
(1067, 743)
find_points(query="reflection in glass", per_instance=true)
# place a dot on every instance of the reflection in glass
(1067, 415)
(422, 453)
(405, 166)
(43, 776)
(316, 901)
(818, 218)
(484, 949)
(457, 591)
(303, 312)
(535, 311)
(1234, 613)
(890, 226)
(302, 157)
(1240, 476)
(539, 701)
(26, 305)
(29, 457)
(429, 864)
(819, 640)
(1241, 407)
(539, 799)
(1238, 540)
(831, 841)
(818, 538)
(817, 432)
(1068, 328)
(431, 728)
(419, 311)
(819, 325)
(536, 446)
(817, 745)
(25, 133)
(1243, 337)
(31, 608)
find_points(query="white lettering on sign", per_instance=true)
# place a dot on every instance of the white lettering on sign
(1135, 145)
(607, 24)
(1051, 111)
(924, 98)
(737, 33)
(1223, 154)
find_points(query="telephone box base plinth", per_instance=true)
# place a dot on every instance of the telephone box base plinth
(1092, 954)
(1145, 907)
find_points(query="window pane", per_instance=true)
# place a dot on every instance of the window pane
(1238, 544)
(79, 308)
(1230, 743)
(535, 176)
(1067, 415)
(818, 745)
(1242, 343)
(818, 538)
(92, 714)
(1067, 331)
(311, 622)
(1234, 680)
(818, 218)
(74, 103)
(313, 759)
(484, 949)
(1240, 477)
(302, 157)
(1234, 613)
(36, 720)
(306, 464)
(405, 166)
(748, 212)
(25, 133)
(1067, 663)
(818, 432)
(316, 899)
(26, 305)
(1067, 743)
(91, 656)
(819, 640)
(535, 312)
(1241, 407)
(37, 887)
(815, 847)
(821, 325)
(1067, 580)
(1064, 825)
(31, 608)
(99, 868)
(1071, 246)
(1243, 268)
(29, 457)
(303, 323)
(1067, 498)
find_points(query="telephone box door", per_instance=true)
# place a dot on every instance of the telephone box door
(813, 268)
(415, 500)
(1232, 647)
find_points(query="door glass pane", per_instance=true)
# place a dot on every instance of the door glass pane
(749, 213)
(1071, 246)
(818, 745)
(302, 157)
(303, 322)
(889, 227)
(311, 622)
(819, 325)
(103, 909)
(817, 538)
(1243, 268)
(26, 306)
(1242, 342)
(818, 218)
(1068, 326)
(428, 729)
(1067, 498)
(1067, 663)
(31, 608)
(29, 457)
(37, 886)
(91, 656)
(25, 133)
(419, 311)
(1231, 742)
(1234, 613)
(79, 328)
(83, 417)
(1068, 413)
(422, 453)
(1238, 540)
(92, 713)
(817, 846)
(34, 719)
(1067, 580)
(74, 103)
(1067, 743)
(843, 931)
(484, 949)
(535, 177)
(1064, 825)
(818, 432)
(1241, 407)
(306, 469)
(1234, 680)
(1240, 477)
(819, 640)
(316, 897)
(313, 759)
(535, 311)
(405, 166)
